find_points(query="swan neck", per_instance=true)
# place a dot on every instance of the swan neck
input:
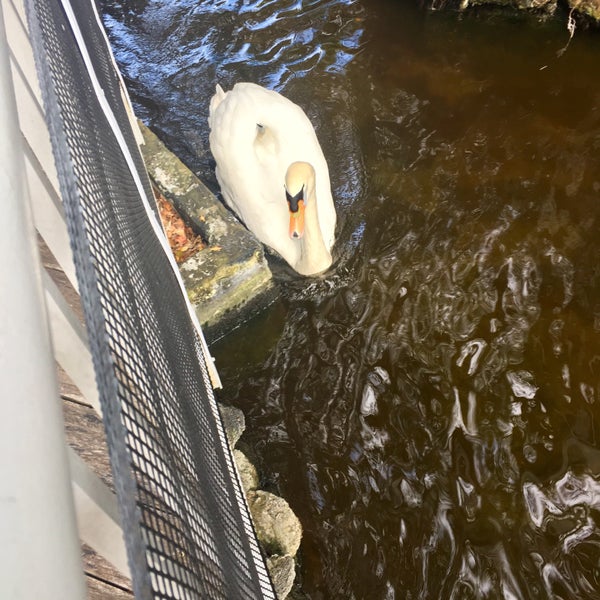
(314, 254)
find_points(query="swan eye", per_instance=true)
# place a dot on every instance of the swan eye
(293, 200)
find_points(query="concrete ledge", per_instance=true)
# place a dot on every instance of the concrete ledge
(230, 279)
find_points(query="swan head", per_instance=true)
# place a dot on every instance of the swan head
(299, 185)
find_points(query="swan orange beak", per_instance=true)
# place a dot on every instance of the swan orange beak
(297, 221)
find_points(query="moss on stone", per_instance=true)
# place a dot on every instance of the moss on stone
(231, 275)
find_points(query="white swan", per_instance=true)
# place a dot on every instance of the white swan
(273, 174)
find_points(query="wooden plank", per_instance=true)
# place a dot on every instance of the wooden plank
(71, 347)
(68, 390)
(104, 575)
(48, 213)
(63, 283)
(100, 590)
(97, 567)
(98, 514)
(85, 434)
(68, 327)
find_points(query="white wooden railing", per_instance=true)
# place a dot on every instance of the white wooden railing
(49, 497)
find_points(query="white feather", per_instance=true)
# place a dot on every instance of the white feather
(255, 135)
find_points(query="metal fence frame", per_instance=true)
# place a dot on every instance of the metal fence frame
(49, 498)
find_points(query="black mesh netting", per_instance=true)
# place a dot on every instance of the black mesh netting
(186, 524)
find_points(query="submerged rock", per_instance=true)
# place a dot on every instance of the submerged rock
(283, 572)
(548, 6)
(247, 471)
(234, 423)
(587, 9)
(590, 8)
(277, 527)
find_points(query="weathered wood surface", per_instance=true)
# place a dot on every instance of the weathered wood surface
(85, 434)
(103, 580)
(99, 590)
(60, 279)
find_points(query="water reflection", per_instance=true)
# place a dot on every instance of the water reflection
(172, 54)
(430, 407)
(422, 400)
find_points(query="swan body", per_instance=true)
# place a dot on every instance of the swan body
(273, 174)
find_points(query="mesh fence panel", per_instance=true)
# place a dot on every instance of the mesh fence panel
(186, 524)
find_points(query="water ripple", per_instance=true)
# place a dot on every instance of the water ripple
(428, 391)
(430, 407)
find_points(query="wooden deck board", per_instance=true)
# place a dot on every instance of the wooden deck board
(103, 580)
(100, 590)
(60, 279)
(85, 434)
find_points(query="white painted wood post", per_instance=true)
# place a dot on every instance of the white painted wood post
(98, 514)
(40, 555)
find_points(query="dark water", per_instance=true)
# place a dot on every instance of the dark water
(430, 407)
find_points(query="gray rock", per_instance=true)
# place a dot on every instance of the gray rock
(230, 278)
(548, 6)
(277, 527)
(590, 8)
(283, 572)
(586, 9)
(234, 423)
(247, 471)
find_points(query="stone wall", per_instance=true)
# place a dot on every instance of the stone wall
(230, 278)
